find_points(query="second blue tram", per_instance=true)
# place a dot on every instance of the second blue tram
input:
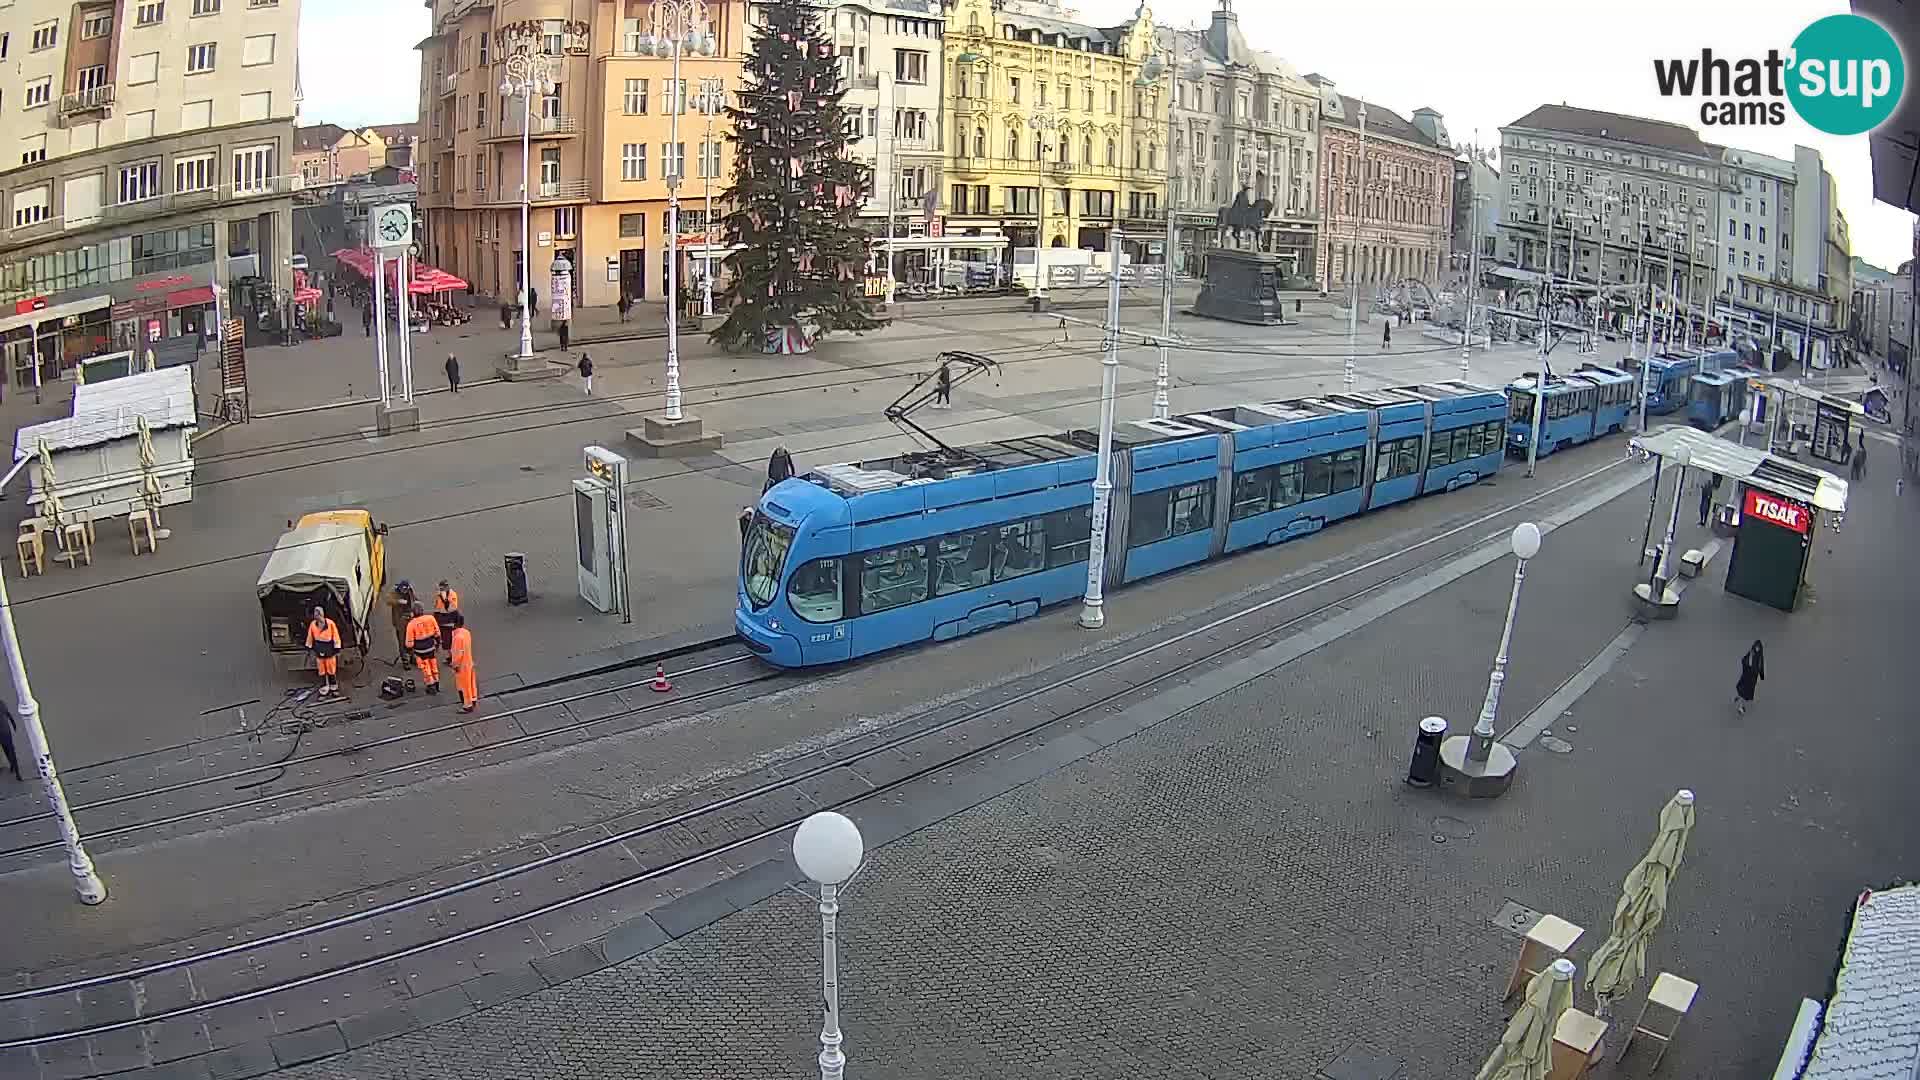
(853, 559)
(1716, 397)
(1583, 406)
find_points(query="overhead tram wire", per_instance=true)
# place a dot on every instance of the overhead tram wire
(516, 504)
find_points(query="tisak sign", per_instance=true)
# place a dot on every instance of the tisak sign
(1778, 511)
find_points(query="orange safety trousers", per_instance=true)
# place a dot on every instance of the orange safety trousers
(461, 646)
(328, 666)
(429, 669)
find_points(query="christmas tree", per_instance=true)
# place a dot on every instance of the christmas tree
(800, 267)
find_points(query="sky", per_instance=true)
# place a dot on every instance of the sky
(1480, 63)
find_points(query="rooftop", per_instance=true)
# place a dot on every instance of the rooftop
(1657, 134)
(1872, 1025)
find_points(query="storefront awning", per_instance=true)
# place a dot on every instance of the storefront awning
(190, 297)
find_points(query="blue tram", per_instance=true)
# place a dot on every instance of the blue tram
(1716, 397)
(1669, 385)
(853, 559)
(1581, 407)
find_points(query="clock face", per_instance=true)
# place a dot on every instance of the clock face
(393, 226)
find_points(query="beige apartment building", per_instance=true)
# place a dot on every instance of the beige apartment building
(598, 150)
(143, 151)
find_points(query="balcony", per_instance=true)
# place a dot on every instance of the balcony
(449, 83)
(542, 127)
(560, 190)
(80, 102)
(969, 168)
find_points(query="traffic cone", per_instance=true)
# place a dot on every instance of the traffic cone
(660, 685)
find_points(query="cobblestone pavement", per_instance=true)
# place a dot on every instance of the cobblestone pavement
(1249, 890)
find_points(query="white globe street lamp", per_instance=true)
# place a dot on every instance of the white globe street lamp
(828, 849)
(527, 72)
(1478, 764)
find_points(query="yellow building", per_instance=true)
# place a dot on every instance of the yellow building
(1053, 144)
(598, 150)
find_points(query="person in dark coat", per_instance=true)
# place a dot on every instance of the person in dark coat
(1386, 336)
(6, 739)
(943, 389)
(586, 372)
(1753, 670)
(453, 373)
(366, 319)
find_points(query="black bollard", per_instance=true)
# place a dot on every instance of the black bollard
(1426, 752)
(516, 578)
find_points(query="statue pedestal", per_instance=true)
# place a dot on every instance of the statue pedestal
(1242, 287)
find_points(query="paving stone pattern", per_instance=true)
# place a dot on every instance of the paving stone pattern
(1249, 890)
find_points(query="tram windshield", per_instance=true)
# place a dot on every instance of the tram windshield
(1520, 408)
(764, 557)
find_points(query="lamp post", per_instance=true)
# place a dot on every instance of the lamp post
(675, 28)
(526, 72)
(1478, 762)
(1150, 73)
(1093, 613)
(1037, 122)
(86, 883)
(828, 849)
(1348, 377)
(712, 95)
(1473, 278)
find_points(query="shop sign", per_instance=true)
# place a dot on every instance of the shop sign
(165, 283)
(1782, 512)
(23, 307)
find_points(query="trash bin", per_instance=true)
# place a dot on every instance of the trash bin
(1426, 752)
(516, 577)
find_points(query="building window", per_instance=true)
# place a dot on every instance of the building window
(673, 159)
(97, 25)
(252, 169)
(710, 160)
(550, 104)
(566, 221)
(150, 12)
(635, 98)
(32, 205)
(139, 182)
(256, 50)
(480, 111)
(910, 66)
(1013, 90)
(633, 226)
(46, 36)
(1763, 207)
(1013, 146)
(92, 77)
(549, 166)
(479, 172)
(193, 173)
(33, 149)
(200, 57)
(1763, 264)
(206, 7)
(39, 92)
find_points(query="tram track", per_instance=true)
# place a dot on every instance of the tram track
(760, 674)
(973, 727)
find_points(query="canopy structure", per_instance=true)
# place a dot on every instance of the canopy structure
(1749, 465)
(330, 556)
(424, 279)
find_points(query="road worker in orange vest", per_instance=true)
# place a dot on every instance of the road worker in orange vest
(423, 641)
(446, 601)
(323, 640)
(463, 676)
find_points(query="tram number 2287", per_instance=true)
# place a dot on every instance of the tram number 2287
(838, 633)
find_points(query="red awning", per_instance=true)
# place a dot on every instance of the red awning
(190, 297)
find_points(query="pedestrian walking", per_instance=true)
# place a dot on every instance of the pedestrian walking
(586, 372)
(6, 739)
(1386, 336)
(1753, 670)
(323, 641)
(453, 373)
(533, 299)
(366, 319)
(423, 641)
(561, 328)
(400, 609)
(462, 663)
(1857, 467)
(1706, 502)
(446, 606)
(625, 305)
(943, 388)
(506, 316)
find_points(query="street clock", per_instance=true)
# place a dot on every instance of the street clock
(393, 226)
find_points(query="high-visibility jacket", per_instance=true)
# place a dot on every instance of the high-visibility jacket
(462, 648)
(323, 638)
(423, 635)
(446, 600)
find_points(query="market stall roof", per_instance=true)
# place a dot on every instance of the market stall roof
(316, 555)
(1749, 465)
(104, 412)
(1872, 1026)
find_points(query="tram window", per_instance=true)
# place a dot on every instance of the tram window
(1406, 460)
(1252, 493)
(1462, 444)
(1020, 550)
(1346, 469)
(1069, 535)
(1148, 519)
(1319, 476)
(814, 591)
(893, 577)
(960, 562)
(1494, 439)
(1442, 452)
(1286, 483)
(1193, 508)
(1520, 409)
